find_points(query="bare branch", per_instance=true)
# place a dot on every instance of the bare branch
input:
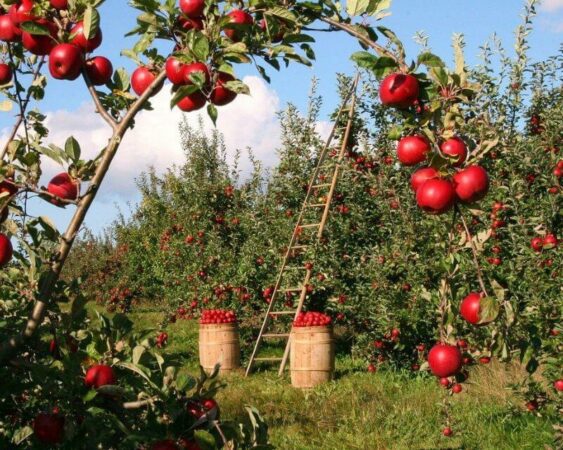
(99, 107)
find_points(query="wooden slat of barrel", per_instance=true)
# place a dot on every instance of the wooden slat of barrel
(312, 356)
(219, 343)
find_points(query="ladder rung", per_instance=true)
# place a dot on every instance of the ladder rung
(310, 225)
(293, 289)
(316, 205)
(281, 313)
(275, 335)
(316, 186)
(298, 247)
(268, 359)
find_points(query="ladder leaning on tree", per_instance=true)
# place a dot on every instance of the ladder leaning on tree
(313, 217)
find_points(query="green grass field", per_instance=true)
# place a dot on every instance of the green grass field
(386, 410)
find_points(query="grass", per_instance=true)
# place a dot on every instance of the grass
(386, 410)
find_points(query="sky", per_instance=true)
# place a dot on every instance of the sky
(251, 121)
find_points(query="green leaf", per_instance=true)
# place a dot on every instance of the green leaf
(91, 22)
(22, 434)
(72, 149)
(283, 13)
(489, 310)
(430, 60)
(366, 60)
(35, 29)
(137, 353)
(205, 440)
(212, 113)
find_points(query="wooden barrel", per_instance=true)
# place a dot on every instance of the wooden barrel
(312, 356)
(219, 344)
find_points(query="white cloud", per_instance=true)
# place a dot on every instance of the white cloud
(551, 5)
(250, 121)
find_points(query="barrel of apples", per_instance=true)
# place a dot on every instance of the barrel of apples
(312, 350)
(219, 341)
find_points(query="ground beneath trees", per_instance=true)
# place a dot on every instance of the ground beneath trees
(385, 410)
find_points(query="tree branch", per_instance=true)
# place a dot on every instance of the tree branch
(99, 107)
(475, 254)
(365, 40)
(52, 275)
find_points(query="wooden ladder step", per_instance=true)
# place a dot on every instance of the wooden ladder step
(299, 247)
(316, 186)
(281, 313)
(292, 289)
(310, 225)
(275, 335)
(268, 359)
(315, 205)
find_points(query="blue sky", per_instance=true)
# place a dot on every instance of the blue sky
(439, 19)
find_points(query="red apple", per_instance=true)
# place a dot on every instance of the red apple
(63, 186)
(141, 79)
(65, 62)
(537, 244)
(100, 375)
(5, 73)
(78, 38)
(6, 250)
(99, 70)
(372, 368)
(447, 432)
(190, 24)
(550, 241)
(413, 149)
(558, 385)
(243, 20)
(49, 428)
(59, 4)
(167, 444)
(9, 32)
(471, 184)
(192, 102)
(220, 95)
(40, 44)
(399, 90)
(21, 11)
(420, 176)
(436, 196)
(192, 8)
(456, 149)
(457, 388)
(470, 308)
(188, 444)
(175, 71)
(196, 67)
(444, 360)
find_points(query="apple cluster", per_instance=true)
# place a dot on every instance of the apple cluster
(312, 319)
(65, 43)
(49, 427)
(216, 316)
(201, 83)
(538, 244)
(435, 192)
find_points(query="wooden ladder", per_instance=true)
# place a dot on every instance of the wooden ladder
(304, 222)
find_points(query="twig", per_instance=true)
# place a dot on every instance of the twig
(475, 254)
(368, 42)
(99, 107)
(23, 108)
(140, 403)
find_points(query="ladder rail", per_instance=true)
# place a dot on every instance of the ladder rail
(329, 198)
(296, 230)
